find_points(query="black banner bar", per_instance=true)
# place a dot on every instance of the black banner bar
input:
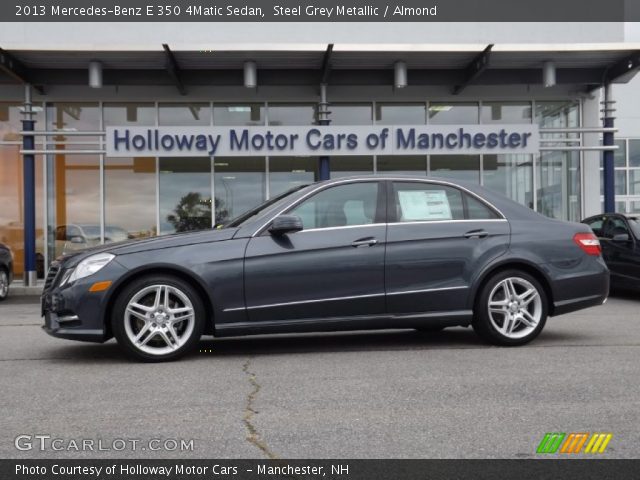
(320, 11)
(586, 469)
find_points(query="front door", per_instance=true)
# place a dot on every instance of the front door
(333, 268)
(438, 237)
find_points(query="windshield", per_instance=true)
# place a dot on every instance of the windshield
(251, 214)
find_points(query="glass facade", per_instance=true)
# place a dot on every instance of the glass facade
(627, 176)
(88, 198)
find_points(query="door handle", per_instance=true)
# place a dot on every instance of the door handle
(476, 234)
(364, 242)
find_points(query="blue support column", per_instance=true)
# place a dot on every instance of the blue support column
(29, 192)
(608, 155)
(324, 162)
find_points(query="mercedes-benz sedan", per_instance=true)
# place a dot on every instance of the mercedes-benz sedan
(349, 254)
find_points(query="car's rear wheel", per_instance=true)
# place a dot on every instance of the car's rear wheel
(158, 318)
(511, 309)
(4, 284)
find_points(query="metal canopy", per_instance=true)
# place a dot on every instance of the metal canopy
(301, 67)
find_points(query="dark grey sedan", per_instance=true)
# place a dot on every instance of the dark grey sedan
(348, 254)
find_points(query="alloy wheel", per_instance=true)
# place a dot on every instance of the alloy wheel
(515, 307)
(4, 284)
(159, 319)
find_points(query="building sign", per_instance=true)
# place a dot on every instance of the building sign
(321, 140)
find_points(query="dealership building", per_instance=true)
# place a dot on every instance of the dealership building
(125, 119)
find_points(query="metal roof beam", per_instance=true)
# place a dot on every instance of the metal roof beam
(475, 69)
(173, 69)
(326, 64)
(16, 70)
(623, 70)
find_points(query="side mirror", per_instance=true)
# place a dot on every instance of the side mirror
(77, 239)
(284, 224)
(621, 237)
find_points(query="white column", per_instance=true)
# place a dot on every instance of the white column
(591, 160)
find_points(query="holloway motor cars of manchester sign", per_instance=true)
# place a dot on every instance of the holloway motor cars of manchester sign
(321, 140)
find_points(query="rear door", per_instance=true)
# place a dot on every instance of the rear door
(439, 237)
(621, 256)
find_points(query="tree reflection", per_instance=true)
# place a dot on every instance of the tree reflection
(193, 212)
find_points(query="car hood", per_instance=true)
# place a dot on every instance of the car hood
(155, 243)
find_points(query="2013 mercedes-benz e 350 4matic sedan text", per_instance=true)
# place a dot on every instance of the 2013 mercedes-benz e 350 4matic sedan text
(356, 253)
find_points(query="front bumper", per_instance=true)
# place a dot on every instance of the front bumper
(73, 312)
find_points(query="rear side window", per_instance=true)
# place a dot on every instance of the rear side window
(419, 202)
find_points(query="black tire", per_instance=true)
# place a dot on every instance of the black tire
(119, 319)
(4, 280)
(482, 320)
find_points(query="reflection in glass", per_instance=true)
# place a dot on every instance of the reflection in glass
(621, 182)
(74, 203)
(10, 120)
(415, 165)
(239, 185)
(346, 114)
(286, 173)
(558, 173)
(559, 185)
(238, 114)
(76, 117)
(459, 167)
(463, 113)
(289, 114)
(401, 114)
(11, 211)
(510, 175)
(620, 155)
(129, 114)
(185, 194)
(634, 153)
(350, 166)
(184, 114)
(130, 196)
(634, 182)
(506, 112)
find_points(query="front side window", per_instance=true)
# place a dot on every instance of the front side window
(423, 202)
(615, 226)
(341, 206)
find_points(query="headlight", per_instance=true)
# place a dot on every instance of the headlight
(88, 266)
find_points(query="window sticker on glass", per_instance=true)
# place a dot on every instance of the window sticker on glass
(424, 205)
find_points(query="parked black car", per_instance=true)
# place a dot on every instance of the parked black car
(357, 253)
(6, 270)
(619, 236)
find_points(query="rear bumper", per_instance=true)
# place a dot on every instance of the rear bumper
(576, 291)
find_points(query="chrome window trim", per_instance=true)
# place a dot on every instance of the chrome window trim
(419, 222)
(334, 299)
(426, 290)
(385, 179)
(344, 227)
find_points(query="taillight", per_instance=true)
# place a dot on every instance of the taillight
(588, 242)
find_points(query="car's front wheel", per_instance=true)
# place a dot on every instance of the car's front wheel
(511, 309)
(158, 318)
(4, 284)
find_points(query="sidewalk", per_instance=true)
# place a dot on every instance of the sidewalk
(17, 289)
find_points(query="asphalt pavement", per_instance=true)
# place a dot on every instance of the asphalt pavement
(379, 394)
